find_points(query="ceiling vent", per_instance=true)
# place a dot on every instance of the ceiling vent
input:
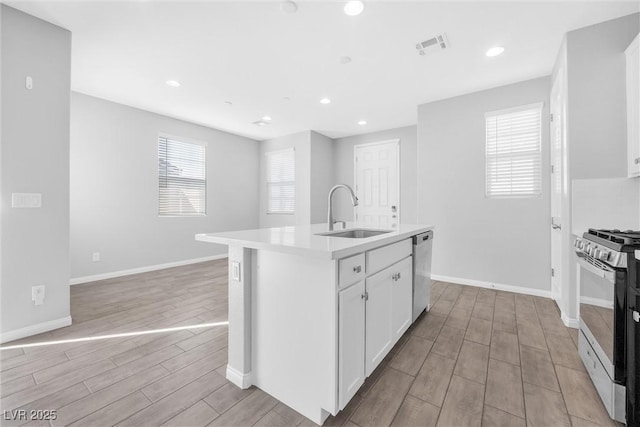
(433, 45)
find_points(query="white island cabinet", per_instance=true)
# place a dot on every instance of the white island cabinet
(311, 316)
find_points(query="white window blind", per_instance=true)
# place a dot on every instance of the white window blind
(281, 181)
(513, 152)
(182, 180)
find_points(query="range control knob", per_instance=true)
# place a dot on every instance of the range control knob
(596, 253)
(604, 255)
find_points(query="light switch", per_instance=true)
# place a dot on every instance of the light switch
(235, 270)
(26, 200)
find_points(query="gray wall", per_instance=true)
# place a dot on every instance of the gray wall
(597, 100)
(301, 143)
(35, 159)
(114, 188)
(322, 175)
(500, 241)
(343, 170)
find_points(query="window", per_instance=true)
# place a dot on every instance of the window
(513, 152)
(281, 181)
(182, 182)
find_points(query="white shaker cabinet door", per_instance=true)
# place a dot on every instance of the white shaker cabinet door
(351, 345)
(402, 297)
(379, 318)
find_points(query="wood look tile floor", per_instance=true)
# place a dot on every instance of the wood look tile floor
(478, 358)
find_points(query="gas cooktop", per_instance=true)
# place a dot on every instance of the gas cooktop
(626, 241)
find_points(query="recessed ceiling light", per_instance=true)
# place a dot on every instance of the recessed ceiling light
(173, 83)
(266, 118)
(362, 122)
(229, 103)
(494, 51)
(261, 123)
(288, 7)
(345, 59)
(325, 101)
(353, 7)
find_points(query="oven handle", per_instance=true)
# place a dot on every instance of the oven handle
(609, 275)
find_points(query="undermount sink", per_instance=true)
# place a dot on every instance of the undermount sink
(354, 233)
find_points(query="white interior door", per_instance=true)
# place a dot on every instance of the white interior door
(557, 143)
(377, 184)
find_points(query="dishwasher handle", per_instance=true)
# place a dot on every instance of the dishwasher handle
(423, 238)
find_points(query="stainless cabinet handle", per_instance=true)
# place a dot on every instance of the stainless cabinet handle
(398, 276)
(357, 269)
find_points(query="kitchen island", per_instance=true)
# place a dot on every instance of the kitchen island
(312, 315)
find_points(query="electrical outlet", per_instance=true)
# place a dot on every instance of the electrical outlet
(96, 256)
(37, 294)
(235, 271)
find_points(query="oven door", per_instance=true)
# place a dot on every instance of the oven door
(602, 312)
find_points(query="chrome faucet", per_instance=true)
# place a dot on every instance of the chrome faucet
(354, 200)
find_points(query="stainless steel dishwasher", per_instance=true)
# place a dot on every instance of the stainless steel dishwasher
(422, 248)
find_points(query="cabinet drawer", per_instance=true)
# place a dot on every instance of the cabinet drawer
(381, 258)
(351, 270)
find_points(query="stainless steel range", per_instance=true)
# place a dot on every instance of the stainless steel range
(607, 266)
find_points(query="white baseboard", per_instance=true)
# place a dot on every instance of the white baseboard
(113, 274)
(597, 302)
(35, 329)
(491, 285)
(570, 322)
(241, 380)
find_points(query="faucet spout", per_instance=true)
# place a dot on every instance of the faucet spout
(354, 201)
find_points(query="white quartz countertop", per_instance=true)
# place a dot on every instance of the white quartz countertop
(303, 239)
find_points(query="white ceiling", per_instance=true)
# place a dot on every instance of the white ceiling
(254, 55)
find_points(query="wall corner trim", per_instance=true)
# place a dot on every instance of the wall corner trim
(238, 378)
(491, 285)
(570, 322)
(120, 273)
(38, 328)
